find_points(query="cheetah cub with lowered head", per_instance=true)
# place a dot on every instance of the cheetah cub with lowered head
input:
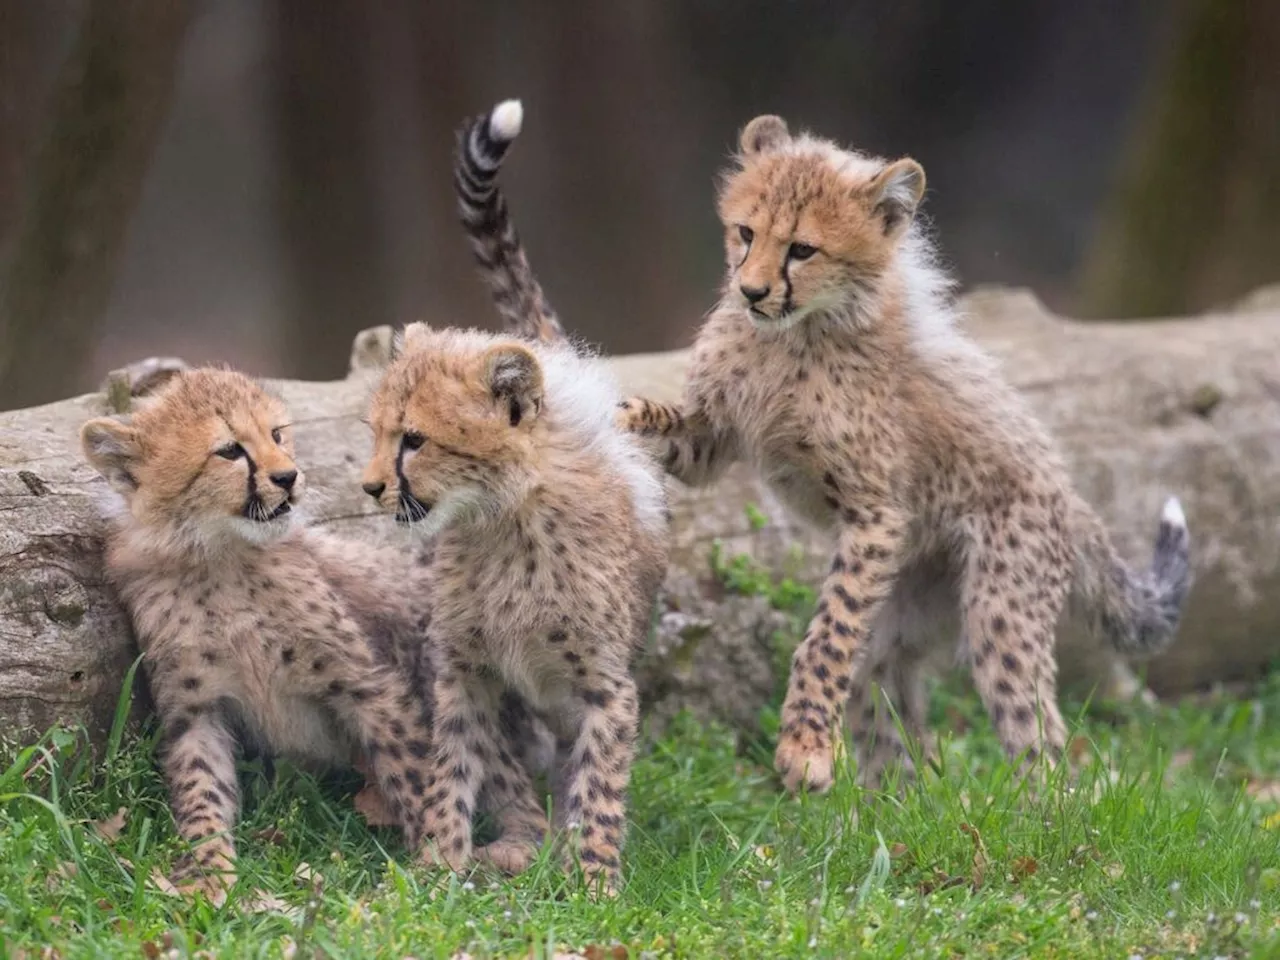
(255, 631)
(832, 361)
(549, 528)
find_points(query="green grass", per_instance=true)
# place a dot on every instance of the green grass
(1167, 844)
(1158, 851)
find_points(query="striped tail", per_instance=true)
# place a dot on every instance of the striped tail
(483, 142)
(1137, 610)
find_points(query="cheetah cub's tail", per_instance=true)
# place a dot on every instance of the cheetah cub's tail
(1138, 611)
(483, 142)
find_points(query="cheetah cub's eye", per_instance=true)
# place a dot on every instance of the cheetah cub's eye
(230, 451)
(801, 251)
(276, 435)
(412, 440)
(746, 234)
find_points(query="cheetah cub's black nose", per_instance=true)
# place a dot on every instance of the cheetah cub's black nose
(754, 294)
(373, 489)
(285, 479)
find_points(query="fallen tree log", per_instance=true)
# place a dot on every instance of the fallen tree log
(1188, 407)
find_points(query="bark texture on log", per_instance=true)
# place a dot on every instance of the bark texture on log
(1187, 407)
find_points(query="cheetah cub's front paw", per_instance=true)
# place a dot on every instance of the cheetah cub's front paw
(512, 857)
(805, 759)
(210, 880)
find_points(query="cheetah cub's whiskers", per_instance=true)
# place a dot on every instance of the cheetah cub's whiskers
(832, 361)
(257, 633)
(545, 583)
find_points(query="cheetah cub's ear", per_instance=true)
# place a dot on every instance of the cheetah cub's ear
(413, 336)
(514, 377)
(764, 134)
(895, 194)
(112, 448)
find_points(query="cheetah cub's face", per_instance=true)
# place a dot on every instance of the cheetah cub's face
(808, 226)
(209, 457)
(454, 423)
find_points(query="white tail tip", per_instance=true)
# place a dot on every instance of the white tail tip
(505, 121)
(1172, 513)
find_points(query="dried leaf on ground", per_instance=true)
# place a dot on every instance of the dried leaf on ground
(264, 902)
(272, 835)
(307, 876)
(111, 828)
(978, 870)
(941, 880)
(1023, 867)
(63, 871)
(615, 952)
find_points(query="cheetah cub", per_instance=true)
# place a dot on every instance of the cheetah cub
(833, 363)
(255, 631)
(549, 529)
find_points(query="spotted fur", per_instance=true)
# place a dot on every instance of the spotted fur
(549, 546)
(833, 363)
(258, 634)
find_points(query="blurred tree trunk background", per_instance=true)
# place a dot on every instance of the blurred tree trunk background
(108, 107)
(1120, 159)
(1195, 219)
(326, 181)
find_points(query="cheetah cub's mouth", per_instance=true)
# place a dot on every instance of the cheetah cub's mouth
(410, 509)
(256, 510)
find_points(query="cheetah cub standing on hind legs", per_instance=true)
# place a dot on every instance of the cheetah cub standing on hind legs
(833, 363)
(549, 528)
(255, 631)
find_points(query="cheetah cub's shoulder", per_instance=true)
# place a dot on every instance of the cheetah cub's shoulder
(832, 362)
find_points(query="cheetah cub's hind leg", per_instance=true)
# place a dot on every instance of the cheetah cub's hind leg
(200, 770)
(393, 729)
(1015, 587)
(888, 704)
(508, 794)
(472, 764)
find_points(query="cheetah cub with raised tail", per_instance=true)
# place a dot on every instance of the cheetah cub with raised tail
(833, 363)
(550, 544)
(255, 631)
